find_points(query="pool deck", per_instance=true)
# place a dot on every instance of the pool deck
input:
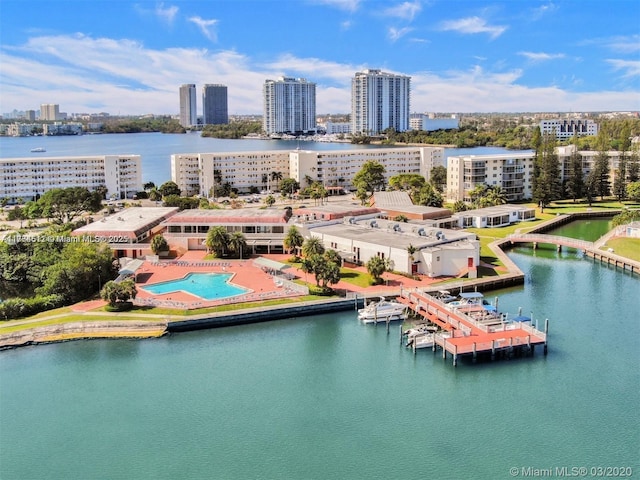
(261, 284)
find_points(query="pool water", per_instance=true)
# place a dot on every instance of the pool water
(209, 286)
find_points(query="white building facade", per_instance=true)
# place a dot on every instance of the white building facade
(188, 105)
(513, 172)
(379, 100)
(289, 106)
(197, 173)
(26, 178)
(564, 129)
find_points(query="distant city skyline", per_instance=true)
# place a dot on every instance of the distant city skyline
(462, 56)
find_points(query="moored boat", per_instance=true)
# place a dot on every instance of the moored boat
(382, 311)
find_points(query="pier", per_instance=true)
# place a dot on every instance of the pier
(465, 331)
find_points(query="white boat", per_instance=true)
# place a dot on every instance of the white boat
(444, 296)
(39, 149)
(382, 311)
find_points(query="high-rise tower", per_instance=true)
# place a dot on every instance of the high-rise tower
(214, 105)
(289, 106)
(188, 106)
(379, 100)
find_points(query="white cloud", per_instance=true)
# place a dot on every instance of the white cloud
(85, 74)
(405, 10)
(348, 5)
(346, 25)
(471, 25)
(206, 27)
(168, 14)
(631, 68)
(541, 56)
(397, 33)
(629, 44)
(538, 12)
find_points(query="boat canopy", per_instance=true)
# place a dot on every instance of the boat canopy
(471, 295)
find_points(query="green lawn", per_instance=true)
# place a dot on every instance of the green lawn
(626, 247)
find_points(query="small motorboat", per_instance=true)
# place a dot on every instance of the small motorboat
(382, 311)
(38, 149)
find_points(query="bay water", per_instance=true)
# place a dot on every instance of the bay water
(328, 397)
(156, 148)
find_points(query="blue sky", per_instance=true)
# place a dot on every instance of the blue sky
(131, 57)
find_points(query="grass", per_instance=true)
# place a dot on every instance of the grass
(626, 247)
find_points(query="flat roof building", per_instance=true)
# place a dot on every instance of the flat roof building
(188, 105)
(214, 105)
(289, 106)
(27, 178)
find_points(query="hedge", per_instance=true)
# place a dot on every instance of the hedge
(23, 307)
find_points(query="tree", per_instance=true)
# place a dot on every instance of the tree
(406, 181)
(63, 205)
(289, 186)
(600, 173)
(119, 293)
(459, 206)
(169, 188)
(620, 179)
(155, 195)
(17, 213)
(428, 196)
(411, 250)
(276, 177)
(217, 240)
(438, 178)
(546, 172)
(293, 240)
(149, 186)
(270, 200)
(575, 183)
(496, 195)
(370, 177)
(376, 266)
(237, 243)
(312, 246)
(159, 244)
(633, 191)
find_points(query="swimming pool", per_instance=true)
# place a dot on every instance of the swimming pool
(208, 286)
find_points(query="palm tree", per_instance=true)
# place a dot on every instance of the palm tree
(496, 195)
(217, 240)
(275, 177)
(376, 266)
(411, 250)
(333, 256)
(237, 243)
(159, 244)
(312, 246)
(293, 240)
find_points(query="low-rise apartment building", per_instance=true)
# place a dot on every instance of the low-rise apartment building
(199, 173)
(27, 178)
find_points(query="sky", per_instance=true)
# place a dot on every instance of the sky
(129, 58)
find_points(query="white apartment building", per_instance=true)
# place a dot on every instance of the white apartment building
(379, 100)
(188, 105)
(26, 178)
(420, 121)
(334, 128)
(338, 167)
(201, 173)
(563, 128)
(513, 172)
(289, 106)
(195, 173)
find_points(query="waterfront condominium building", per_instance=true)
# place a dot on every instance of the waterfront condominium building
(26, 178)
(214, 105)
(564, 129)
(188, 105)
(201, 173)
(289, 106)
(379, 100)
(49, 112)
(513, 172)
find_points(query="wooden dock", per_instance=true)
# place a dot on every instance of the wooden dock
(464, 334)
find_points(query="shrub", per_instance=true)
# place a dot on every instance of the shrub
(23, 307)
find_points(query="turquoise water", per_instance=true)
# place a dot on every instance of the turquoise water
(590, 230)
(210, 286)
(328, 397)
